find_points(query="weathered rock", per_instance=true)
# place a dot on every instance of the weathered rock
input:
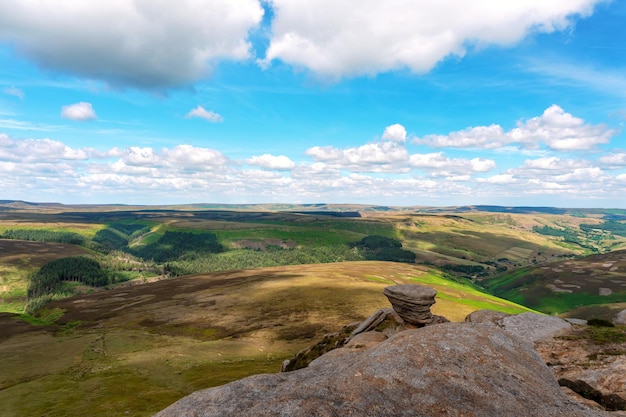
(534, 327)
(578, 322)
(485, 316)
(455, 369)
(611, 401)
(621, 318)
(597, 370)
(573, 395)
(372, 321)
(412, 302)
(328, 343)
(366, 340)
(606, 380)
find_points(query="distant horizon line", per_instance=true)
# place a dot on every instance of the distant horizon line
(308, 205)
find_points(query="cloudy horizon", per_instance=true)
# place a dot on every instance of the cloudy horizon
(207, 101)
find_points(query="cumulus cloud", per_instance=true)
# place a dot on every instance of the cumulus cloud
(37, 150)
(395, 132)
(150, 44)
(616, 159)
(14, 91)
(579, 175)
(207, 115)
(384, 156)
(485, 137)
(560, 131)
(439, 161)
(393, 157)
(498, 179)
(79, 111)
(347, 38)
(187, 155)
(136, 156)
(553, 164)
(374, 172)
(281, 162)
(555, 129)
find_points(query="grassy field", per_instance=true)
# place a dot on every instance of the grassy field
(132, 351)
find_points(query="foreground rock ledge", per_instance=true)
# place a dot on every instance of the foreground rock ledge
(452, 369)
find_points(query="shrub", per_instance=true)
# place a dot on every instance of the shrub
(600, 323)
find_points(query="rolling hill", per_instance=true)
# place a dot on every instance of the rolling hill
(562, 286)
(133, 350)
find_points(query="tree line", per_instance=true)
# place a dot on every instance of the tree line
(44, 236)
(381, 248)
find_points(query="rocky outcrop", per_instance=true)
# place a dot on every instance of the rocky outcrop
(411, 309)
(593, 373)
(453, 369)
(596, 371)
(486, 316)
(535, 327)
(412, 302)
(399, 363)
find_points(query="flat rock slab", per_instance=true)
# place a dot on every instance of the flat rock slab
(452, 369)
(534, 327)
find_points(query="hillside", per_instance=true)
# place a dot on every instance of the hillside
(566, 285)
(476, 243)
(136, 349)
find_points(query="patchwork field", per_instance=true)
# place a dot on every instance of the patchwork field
(561, 286)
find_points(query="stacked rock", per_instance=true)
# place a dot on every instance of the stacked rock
(412, 302)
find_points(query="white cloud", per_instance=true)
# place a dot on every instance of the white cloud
(486, 137)
(617, 159)
(555, 128)
(437, 160)
(79, 111)
(136, 156)
(37, 150)
(325, 153)
(207, 115)
(14, 91)
(579, 175)
(395, 133)
(553, 164)
(482, 164)
(384, 156)
(281, 163)
(560, 131)
(371, 173)
(198, 158)
(151, 44)
(498, 179)
(347, 38)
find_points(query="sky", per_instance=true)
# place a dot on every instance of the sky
(401, 102)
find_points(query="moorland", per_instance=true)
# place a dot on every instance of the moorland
(121, 310)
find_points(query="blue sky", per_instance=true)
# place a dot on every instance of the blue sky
(393, 103)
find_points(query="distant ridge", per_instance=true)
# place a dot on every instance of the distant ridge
(340, 210)
(518, 210)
